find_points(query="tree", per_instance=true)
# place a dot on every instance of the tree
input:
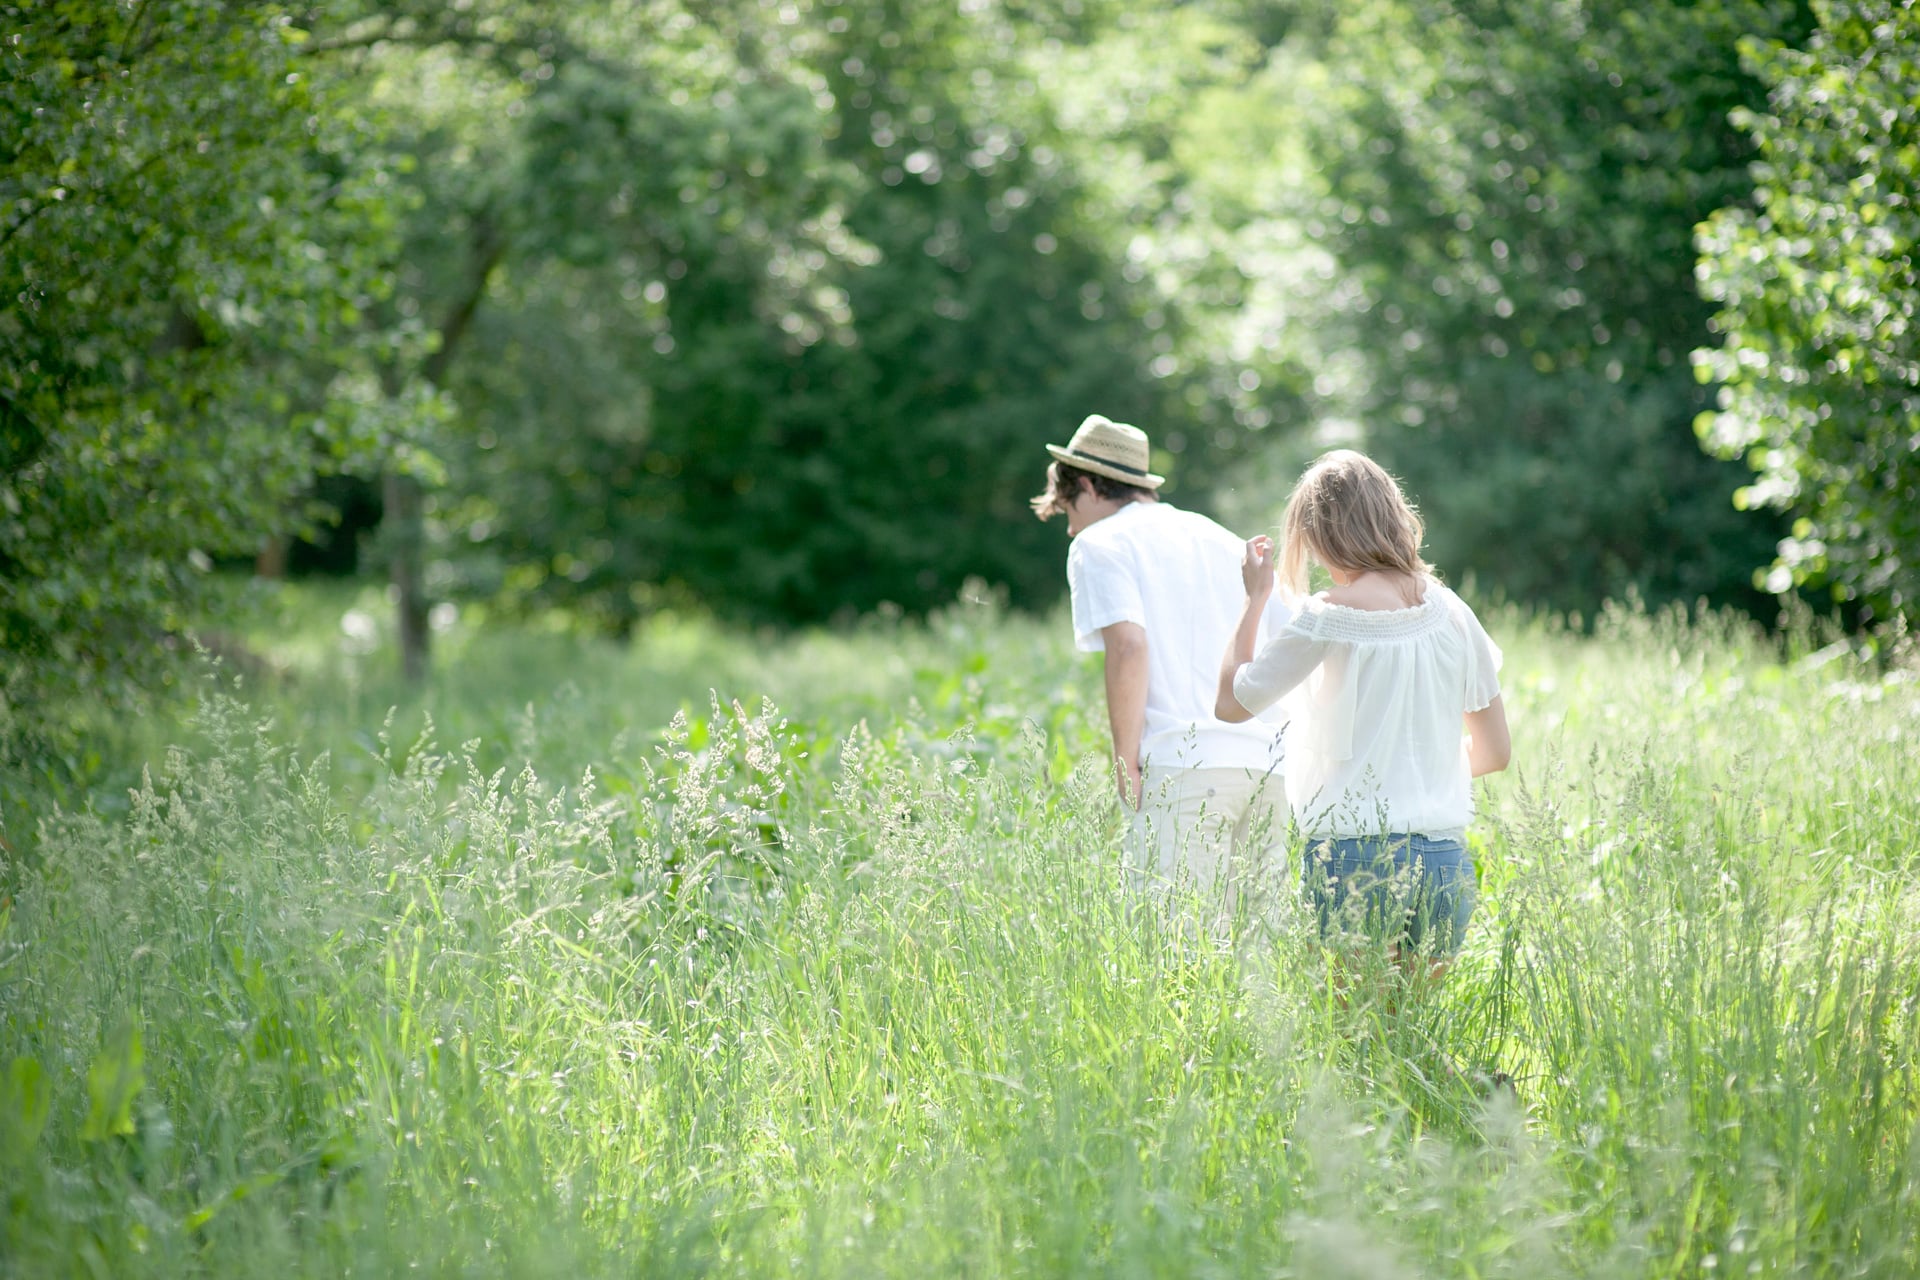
(189, 234)
(795, 313)
(1819, 362)
(561, 165)
(1510, 189)
(446, 80)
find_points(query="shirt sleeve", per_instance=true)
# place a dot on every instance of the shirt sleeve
(1282, 663)
(1104, 591)
(1483, 658)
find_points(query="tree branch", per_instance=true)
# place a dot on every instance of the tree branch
(421, 39)
(133, 29)
(558, 47)
(489, 246)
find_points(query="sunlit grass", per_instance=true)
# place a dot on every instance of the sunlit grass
(854, 991)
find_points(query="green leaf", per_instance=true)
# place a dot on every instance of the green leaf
(259, 1182)
(24, 1105)
(114, 1081)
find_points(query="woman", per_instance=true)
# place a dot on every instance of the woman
(1384, 670)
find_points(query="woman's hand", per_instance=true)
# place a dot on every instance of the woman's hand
(1256, 569)
(1256, 573)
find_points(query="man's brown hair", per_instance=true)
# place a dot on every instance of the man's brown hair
(1063, 481)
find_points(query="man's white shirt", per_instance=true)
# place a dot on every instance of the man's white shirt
(1177, 575)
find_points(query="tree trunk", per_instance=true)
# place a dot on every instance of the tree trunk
(407, 544)
(406, 535)
(271, 563)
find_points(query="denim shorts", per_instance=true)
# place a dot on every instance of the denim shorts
(1405, 890)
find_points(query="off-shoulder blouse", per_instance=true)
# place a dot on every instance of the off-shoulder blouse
(1374, 742)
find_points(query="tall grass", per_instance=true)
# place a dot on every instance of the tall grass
(858, 993)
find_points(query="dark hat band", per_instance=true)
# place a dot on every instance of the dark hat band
(1142, 472)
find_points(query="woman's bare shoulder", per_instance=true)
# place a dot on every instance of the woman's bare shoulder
(1369, 595)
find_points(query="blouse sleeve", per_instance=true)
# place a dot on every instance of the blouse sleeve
(1483, 658)
(1282, 663)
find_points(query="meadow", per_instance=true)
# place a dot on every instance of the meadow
(726, 953)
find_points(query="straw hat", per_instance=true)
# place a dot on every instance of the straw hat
(1111, 449)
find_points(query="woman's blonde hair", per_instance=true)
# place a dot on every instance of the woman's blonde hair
(1348, 514)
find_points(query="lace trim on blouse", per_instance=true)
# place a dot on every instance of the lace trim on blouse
(1323, 620)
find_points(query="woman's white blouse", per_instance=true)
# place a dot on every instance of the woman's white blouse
(1374, 700)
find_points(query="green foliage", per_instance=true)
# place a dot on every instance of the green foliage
(781, 328)
(1511, 191)
(863, 995)
(1819, 365)
(188, 235)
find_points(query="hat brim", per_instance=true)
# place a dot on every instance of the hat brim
(1107, 469)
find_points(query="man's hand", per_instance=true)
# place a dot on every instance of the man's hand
(1256, 568)
(1127, 773)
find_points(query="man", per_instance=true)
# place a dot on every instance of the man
(1158, 591)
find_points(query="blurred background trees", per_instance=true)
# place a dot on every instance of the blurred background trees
(765, 307)
(1511, 189)
(829, 275)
